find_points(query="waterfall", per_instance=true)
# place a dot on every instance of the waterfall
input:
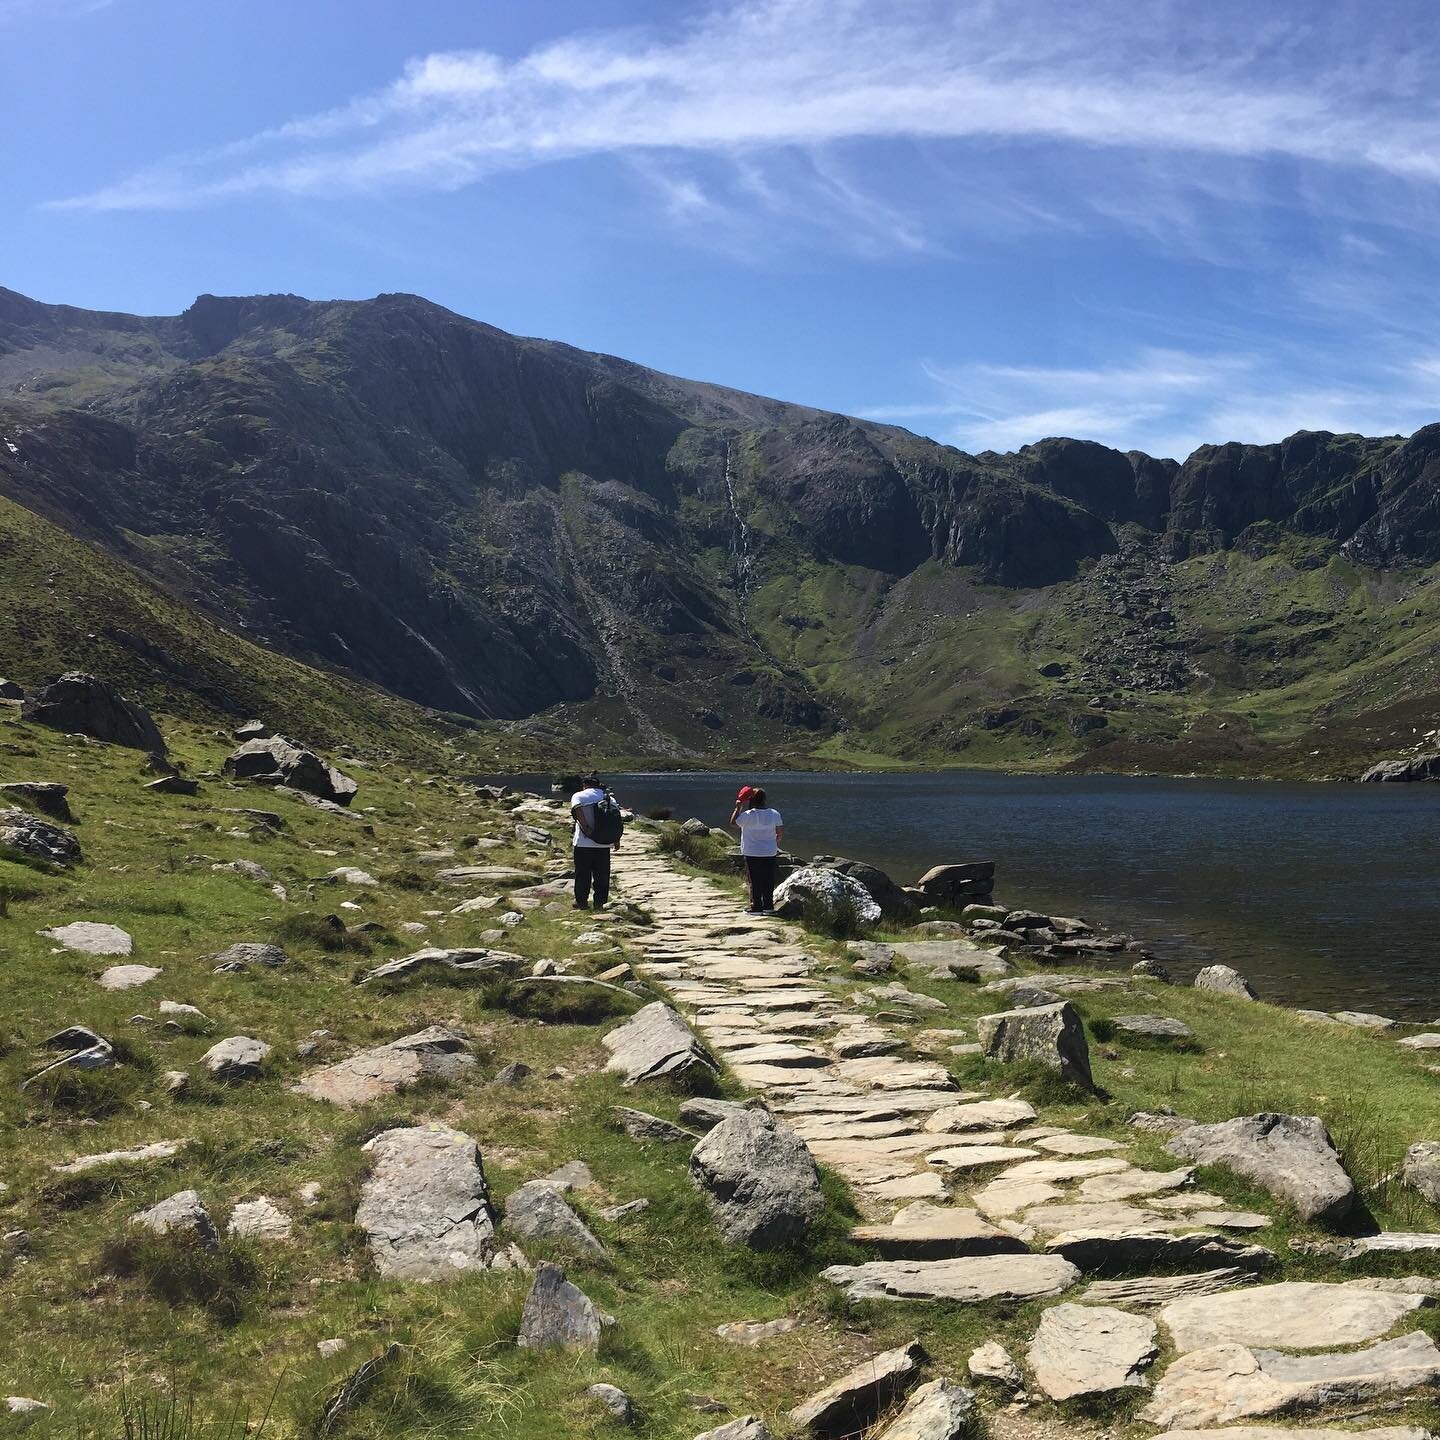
(740, 546)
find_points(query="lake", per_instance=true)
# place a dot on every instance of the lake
(1323, 895)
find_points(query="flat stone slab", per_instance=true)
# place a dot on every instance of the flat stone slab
(1132, 1184)
(1077, 1144)
(938, 1410)
(953, 959)
(1100, 1252)
(156, 1150)
(1004, 1197)
(981, 1115)
(969, 1281)
(127, 977)
(480, 963)
(1154, 1027)
(1232, 1382)
(1097, 1215)
(778, 1053)
(436, 1053)
(926, 1186)
(935, 1232)
(91, 938)
(1053, 1171)
(1090, 1350)
(1293, 1315)
(975, 1157)
(1299, 1432)
(1149, 1291)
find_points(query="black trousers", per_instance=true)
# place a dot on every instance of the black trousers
(592, 867)
(762, 870)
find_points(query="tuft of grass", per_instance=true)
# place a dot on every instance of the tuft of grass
(171, 1418)
(837, 920)
(309, 931)
(178, 1270)
(557, 1004)
(82, 1094)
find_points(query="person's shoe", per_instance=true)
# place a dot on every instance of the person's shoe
(579, 905)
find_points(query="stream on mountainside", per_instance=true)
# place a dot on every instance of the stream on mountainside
(1323, 895)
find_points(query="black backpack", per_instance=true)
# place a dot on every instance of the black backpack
(609, 824)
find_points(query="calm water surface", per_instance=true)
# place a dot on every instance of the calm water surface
(1323, 895)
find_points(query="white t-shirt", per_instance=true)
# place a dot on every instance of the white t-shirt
(757, 832)
(587, 797)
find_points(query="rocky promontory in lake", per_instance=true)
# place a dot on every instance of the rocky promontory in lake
(545, 543)
(309, 1056)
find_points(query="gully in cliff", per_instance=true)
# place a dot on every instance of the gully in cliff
(598, 828)
(761, 832)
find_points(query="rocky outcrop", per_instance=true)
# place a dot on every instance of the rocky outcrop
(80, 704)
(1051, 1035)
(91, 937)
(1291, 1156)
(277, 761)
(1417, 767)
(539, 1211)
(46, 796)
(38, 838)
(759, 1180)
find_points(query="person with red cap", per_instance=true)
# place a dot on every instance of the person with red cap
(761, 832)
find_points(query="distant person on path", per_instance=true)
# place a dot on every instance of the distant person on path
(761, 833)
(598, 828)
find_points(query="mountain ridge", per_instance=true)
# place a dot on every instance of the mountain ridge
(510, 528)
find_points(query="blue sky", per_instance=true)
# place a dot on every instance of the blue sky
(1147, 223)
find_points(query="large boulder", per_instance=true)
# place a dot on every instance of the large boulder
(827, 890)
(1417, 767)
(759, 1180)
(425, 1208)
(1224, 981)
(656, 1044)
(890, 897)
(954, 885)
(37, 838)
(80, 704)
(239, 1057)
(277, 761)
(1053, 1035)
(1291, 1156)
(11, 690)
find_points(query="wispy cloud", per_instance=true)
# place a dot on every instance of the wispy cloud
(49, 9)
(758, 76)
(1165, 402)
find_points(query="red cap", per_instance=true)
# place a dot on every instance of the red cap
(746, 791)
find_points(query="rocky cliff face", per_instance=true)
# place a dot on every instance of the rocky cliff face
(499, 526)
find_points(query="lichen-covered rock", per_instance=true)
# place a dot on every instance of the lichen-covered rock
(759, 1180)
(239, 1057)
(538, 1210)
(1225, 981)
(80, 704)
(182, 1214)
(558, 1313)
(829, 891)
(277, 761)
(1291, 1156)
(1053, 1035)
(1422, 1169)
(246, 953)
(38, 838)
(436, 1053)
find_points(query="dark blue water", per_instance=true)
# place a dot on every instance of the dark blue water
(1324, 895)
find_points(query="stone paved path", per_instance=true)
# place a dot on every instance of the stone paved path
(970, 1197)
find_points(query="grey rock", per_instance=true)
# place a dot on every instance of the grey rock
(827, 890)
(704, 1113)
(1225, 981)
(629, 1207)
(437, 1053)
(892, 900)
(970, 1280)
(558, 1313)
(425, 1208)
(1363, 1020)
(614, 1399)
(954, 959)
(935, 1232)
(277, 761)
(1050, 1034)
(871, 957)
(156, 1150)
(1422, 1169)
(656, 1044)
(239, 1057)
(11, 690)
(756, 1332)
(1090, 1350)
(89, 937)
(1416, 767)
(937, 1410)
(1158, 1122)
(1291, 1156)
(72, 1037)
(951, 884)
(514, 1074)
(245, 954)
(991, 1364)
(46, 796)
(127, 977)
(173, 785)
(23, 1410)
(539, 1211)
(572, 1175)
(759, 1180)
(259, 1219)
(639, 1125)
(479, 963)
(182, 1214)
(37, 838)
(1150, 968)
(1230, 1382)
(533, 835)
(1149, 1291)
(849, 1404)
(747, 1427)
(251, 730)
(1156, 1027)
(80, 704)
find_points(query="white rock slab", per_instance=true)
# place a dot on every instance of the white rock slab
(969, 1280)
(1090, 1350)
(127, 977)
(91, 938)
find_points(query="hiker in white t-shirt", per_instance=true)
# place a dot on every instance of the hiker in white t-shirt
(591, 856)
(761, 833)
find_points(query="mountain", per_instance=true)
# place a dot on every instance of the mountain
(512, 530)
